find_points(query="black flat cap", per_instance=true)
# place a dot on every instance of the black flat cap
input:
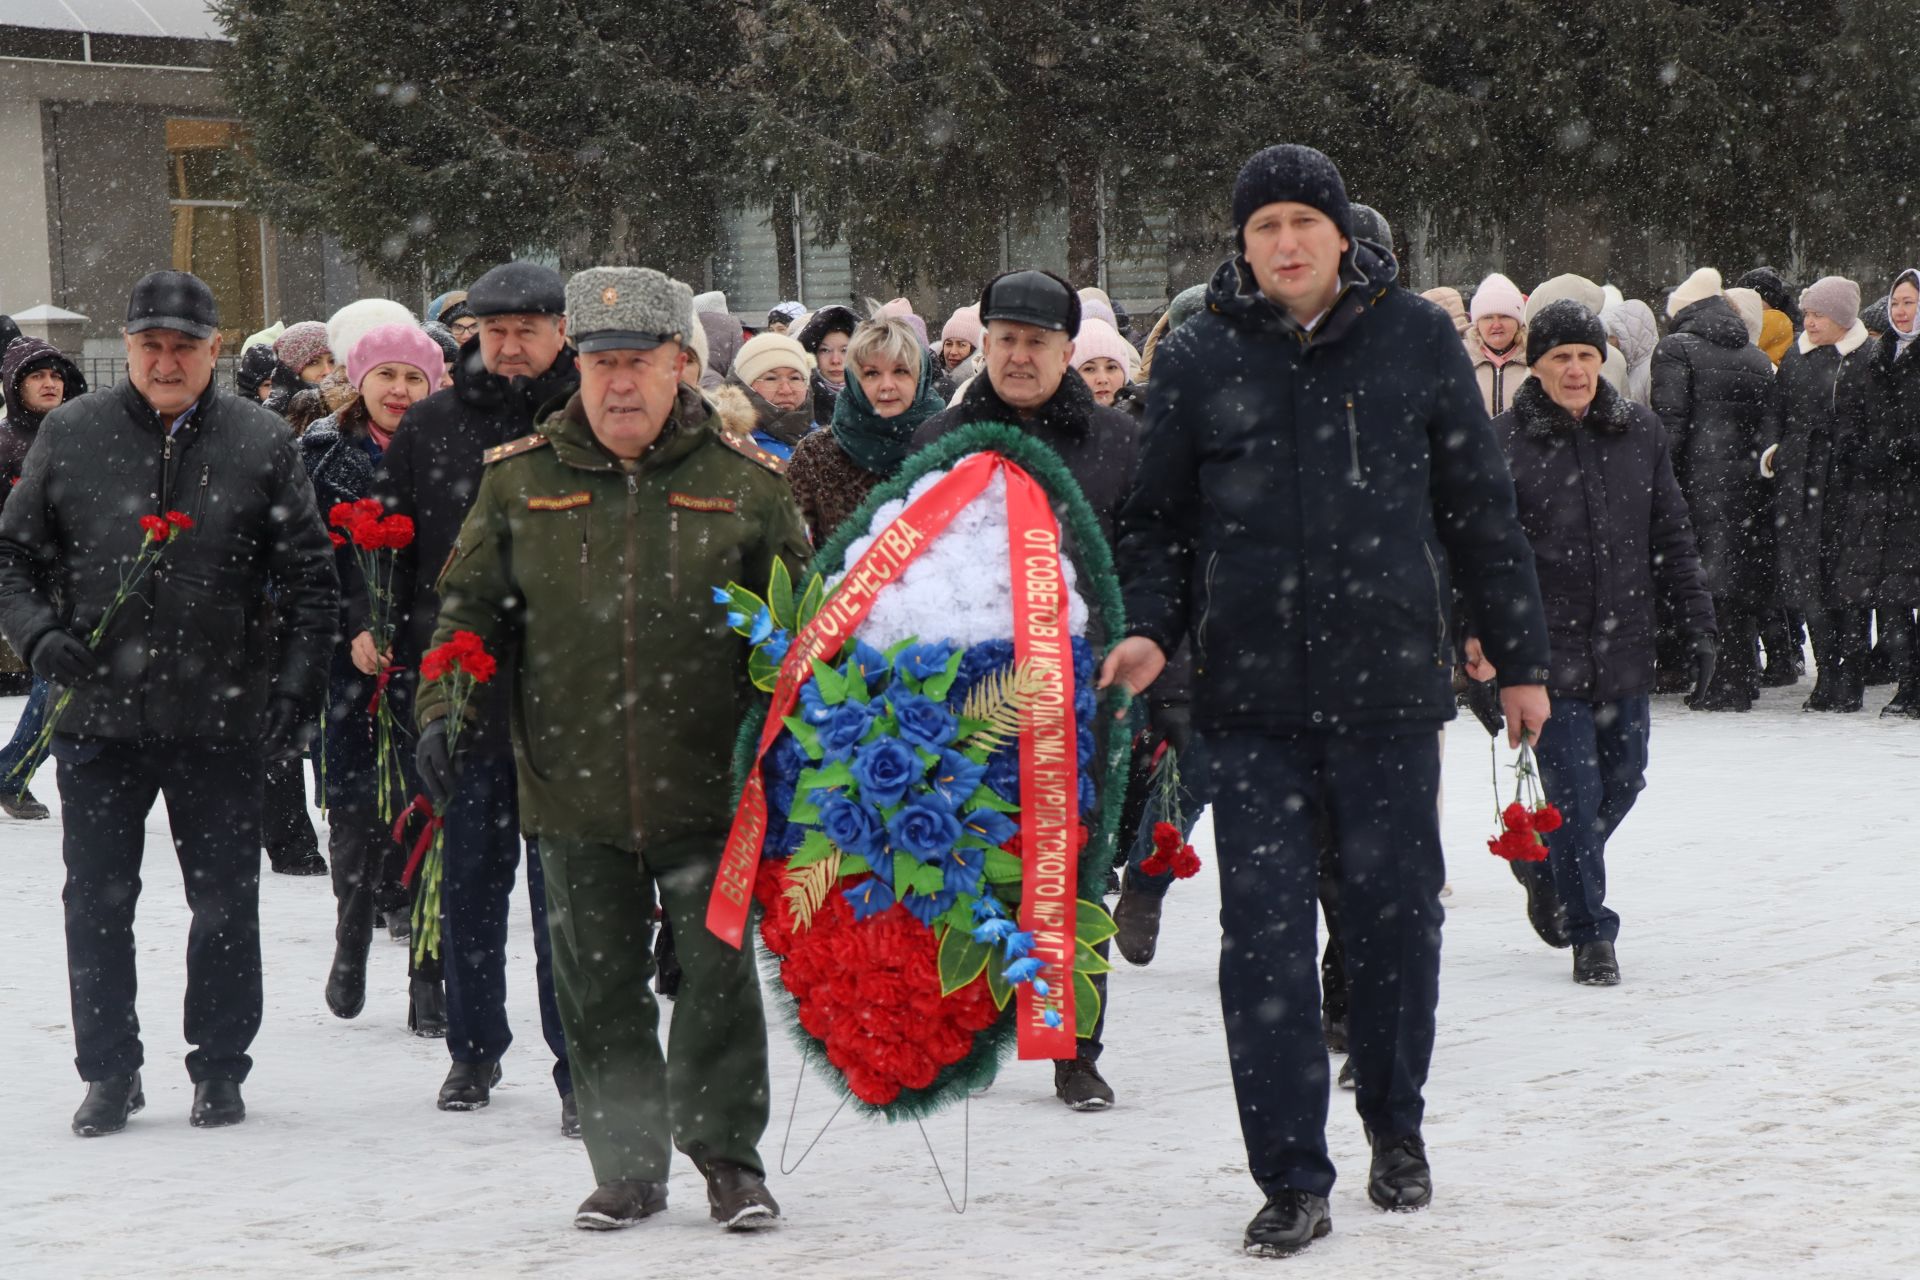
(176, 300)
(1031, 296)
(518, 289)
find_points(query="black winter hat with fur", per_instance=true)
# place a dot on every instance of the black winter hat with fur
(1564, 323)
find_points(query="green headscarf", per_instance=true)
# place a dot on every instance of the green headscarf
(880, 444)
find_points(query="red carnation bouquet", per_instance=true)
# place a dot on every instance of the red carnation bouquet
(156, 533)
(1522, 827)
(465, 662)
(375, 536)
(1171, 852)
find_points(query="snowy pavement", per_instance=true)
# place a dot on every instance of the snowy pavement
(1743, 1105)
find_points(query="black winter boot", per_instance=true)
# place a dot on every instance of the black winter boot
(427, 1009)
(614, 1205)
(216, 1103)
(1400, 1180)
(1078, 1083)
(107, 1105)
(737, 1197)
(1906, 701)
(1286, 1224)
(468, 1086)
(1594, 965)
(1138, 916)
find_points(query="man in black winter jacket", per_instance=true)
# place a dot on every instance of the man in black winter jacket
(181, 695)
(1317, 473)
(1608, 525)
(518, 364)
(1031, 318)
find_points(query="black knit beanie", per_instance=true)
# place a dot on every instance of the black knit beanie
(1293, 173)
(1561, 323)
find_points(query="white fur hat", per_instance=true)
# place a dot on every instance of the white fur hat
(356, 320)
(1698, 287)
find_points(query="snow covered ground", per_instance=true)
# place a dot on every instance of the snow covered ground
(1742, 1106)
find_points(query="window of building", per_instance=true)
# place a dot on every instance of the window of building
(215, 236)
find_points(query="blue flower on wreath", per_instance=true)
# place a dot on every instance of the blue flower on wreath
(868, 898)
(762, 627)
(867, 662)
(986, 824)
(993, 929)
(777, 645)
(1003, 775)
(853, 825)
(1018, 944)
(1089, 800)
(965, 868)
(1083, 740)
(885, 769)
(956, 778)
(813, 704)
(722, 596)
(924, 829)
(1053, 1019)
(1085, 700)
(1023, 971)
(923, 722)
(924, 661)
(1082, 661)
(926, 908)
(987, 907)
(845, 727)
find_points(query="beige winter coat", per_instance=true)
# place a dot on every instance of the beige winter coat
(1497, 382)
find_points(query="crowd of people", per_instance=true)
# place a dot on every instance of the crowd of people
(1339, 509)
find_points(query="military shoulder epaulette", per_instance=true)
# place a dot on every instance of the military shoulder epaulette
(747, 449)
(514, 448)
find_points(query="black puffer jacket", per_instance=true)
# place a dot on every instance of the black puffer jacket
(189, 656)
(1710, 388)
(1817, 418)
(1608, 528)
(1305, 504)
(1099, 445)
(1881, 556)
(341, 468)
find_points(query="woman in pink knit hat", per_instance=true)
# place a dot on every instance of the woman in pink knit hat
(1105, 359)
(391, 368)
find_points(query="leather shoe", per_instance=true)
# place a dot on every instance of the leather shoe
(1286, 1224)
(1545, 912)
(468, 1086)
(1594, 965)
(737, 1197)
(569, 1116)
(427, 1009)
(614, 1205)
(216, 1103)
(1137, 916)
(347, 982)
(1400, 1180)
(107, 1105)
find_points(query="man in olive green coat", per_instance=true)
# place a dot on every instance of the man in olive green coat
(590, 555)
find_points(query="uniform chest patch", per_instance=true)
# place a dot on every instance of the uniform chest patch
(560, 502)
(724, 505)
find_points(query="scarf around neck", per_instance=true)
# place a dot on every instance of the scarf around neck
(880, 444)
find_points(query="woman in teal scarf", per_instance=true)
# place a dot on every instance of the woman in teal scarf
(889, 393)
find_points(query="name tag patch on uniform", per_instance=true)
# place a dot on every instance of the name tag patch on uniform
(691, 503)
(560, 502)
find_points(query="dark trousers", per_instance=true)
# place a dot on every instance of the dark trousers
(1593, 764)
(1840, 648)
(482, 854)
(286, 827)
(1381, 796)
(33, 718)
(366, 861)
(1901, 635)
(1737, 672)
(213, 797)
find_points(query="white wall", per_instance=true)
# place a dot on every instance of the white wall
(25, 278)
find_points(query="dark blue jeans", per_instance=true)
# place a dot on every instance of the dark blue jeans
(482, 852)
(1380, 793)
(32, 718)
(1593, 763)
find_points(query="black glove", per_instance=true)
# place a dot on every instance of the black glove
(1483, 699)
(61, 657)
(433, 761)
(1171, 723)
(286, 734)
(1705, 653)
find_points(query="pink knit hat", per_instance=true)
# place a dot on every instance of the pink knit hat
(902, 310)
(397, 344)
(1497, 296)
(1097, 338)
(963, 324)
(301, 344)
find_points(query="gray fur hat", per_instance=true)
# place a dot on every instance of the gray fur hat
(627, 309)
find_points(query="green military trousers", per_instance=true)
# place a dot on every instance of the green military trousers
(709, 1092)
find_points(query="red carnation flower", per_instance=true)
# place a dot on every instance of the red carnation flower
(481, 666)
(1517, 817)
(1547, 819)
(1167, 839)
(337, 540)
(1186, 863)
(156, 527)
(435, 664)
(179, 520)
(1155, 864)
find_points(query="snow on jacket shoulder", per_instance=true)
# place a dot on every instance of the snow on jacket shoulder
(1307, 505)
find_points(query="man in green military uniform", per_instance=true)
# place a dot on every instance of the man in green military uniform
(590, 556)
